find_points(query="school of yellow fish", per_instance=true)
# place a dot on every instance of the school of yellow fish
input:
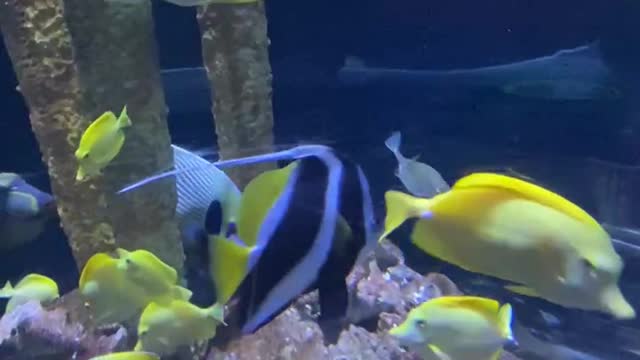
(486, 223)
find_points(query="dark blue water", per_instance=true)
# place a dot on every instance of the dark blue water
(309, 42)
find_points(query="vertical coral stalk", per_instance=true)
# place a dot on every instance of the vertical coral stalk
(59, 80)
(115, 51)
(235, 52)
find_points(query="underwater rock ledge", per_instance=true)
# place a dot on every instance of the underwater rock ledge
(31, 332)
(380, 299)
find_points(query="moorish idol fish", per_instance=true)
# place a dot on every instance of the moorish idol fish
(299, 228)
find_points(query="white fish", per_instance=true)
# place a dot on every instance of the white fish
(419, 178)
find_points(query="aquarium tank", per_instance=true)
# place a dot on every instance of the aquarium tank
(333, 180)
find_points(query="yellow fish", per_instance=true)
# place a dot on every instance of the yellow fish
(151, 274)
(101, 143)
(163, 328)
(31, 287)
(117, 295)
(128, 355)
(457, 328)
(517, 231)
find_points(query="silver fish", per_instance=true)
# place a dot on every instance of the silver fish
(418, 178)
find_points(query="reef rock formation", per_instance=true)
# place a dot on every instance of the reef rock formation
(380, 299)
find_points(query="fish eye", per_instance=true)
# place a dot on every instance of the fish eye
(421, 323)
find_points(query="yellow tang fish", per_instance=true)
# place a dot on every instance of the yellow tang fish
(128, 355)
(117, 295)
(517, 231)
(101, 143)
(31, 287)
(151, 274)
(163, 328)
(457, 328)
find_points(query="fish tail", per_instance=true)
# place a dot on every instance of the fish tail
(505, 316)
(400, 207)
(393, 142)
(217, 312)
(7, 290)
(124, 120)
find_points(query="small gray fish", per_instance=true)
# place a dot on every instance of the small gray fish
(24, 211)
(418, 178)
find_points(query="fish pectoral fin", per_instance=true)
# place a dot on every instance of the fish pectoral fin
(522, 290)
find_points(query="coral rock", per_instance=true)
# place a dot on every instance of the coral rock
(32, 332)
(383, 296)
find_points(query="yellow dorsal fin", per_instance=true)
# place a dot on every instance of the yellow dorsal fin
(484, 306)
(400, 208)
(526, 190)
(228, 267)
(94, 263)
(258, 198)
(150, 260)
(35, 279)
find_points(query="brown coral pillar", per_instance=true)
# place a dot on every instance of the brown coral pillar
(62, 102)
(115, 51)
(39, 45)
(235, 53)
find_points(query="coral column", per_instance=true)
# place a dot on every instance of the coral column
(235, 52)
(67, 80)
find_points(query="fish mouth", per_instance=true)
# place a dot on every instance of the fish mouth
(615, 304)
(406, 337)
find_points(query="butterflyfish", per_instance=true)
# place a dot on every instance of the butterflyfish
(418, 178)
(208, 203)
(457, 328)
(24, 211)
(514, 230)
(163, 328)
(101, 143)
(31, 287)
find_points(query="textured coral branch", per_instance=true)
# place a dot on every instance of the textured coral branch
(235, 52)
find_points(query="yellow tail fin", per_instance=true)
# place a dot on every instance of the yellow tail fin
(6, 291)
(505, 315)
(400, 207)
(217, 312)
(124, 120)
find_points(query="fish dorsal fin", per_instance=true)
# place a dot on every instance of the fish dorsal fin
(34, 279)
(484, 306)
(93, 264)
(528, 191)
(258, 198)
(150, 260)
